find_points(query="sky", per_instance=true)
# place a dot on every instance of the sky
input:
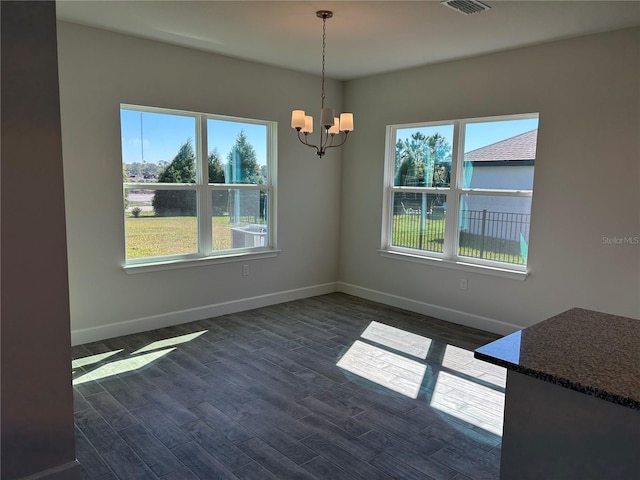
(477, 134)
(155, 137)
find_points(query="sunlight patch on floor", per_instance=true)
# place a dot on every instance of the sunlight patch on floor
(388, 369)
(462, 361)
(91, 359)
(398, 339)
(121, 366)
(169, 341)
(475, 404)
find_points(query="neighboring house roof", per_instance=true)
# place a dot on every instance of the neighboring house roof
(521, 149)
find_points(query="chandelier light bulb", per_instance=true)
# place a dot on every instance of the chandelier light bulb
(308, 124)
(297, 119)
(346, 122)
(335, 128)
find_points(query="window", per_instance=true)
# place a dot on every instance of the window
(195, 185)
(460, 191)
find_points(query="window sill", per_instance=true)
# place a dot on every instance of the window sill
(456, 265)
(197, 262)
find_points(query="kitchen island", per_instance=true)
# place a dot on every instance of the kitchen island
(572, 405)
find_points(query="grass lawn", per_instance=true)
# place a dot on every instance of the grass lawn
(406, 233)
(151, 236)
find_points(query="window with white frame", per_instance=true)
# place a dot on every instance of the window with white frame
(460, 191)
(195, 185)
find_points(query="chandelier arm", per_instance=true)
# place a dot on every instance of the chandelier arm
(330, 138)
(344, 139)
(327, 138)
(305, 142)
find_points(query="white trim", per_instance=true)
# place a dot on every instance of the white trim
(450, 255)
(272, 180)
(510, 116)
(152, 322)
(442, 313)
(143, 324)
(189, 262)
(387, 192)
(456, 264)
(495, 192)
(203, 189)
(204, 203)
(66, 471)
(452, 221)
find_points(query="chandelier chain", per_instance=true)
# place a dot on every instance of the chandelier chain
(324, 41)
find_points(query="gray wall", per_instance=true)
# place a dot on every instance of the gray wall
(587, 174)
(37, 404)
(98, 71)
(330, 211)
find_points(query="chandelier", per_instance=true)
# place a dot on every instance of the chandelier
(330, 126)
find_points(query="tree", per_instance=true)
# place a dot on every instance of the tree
(216, 175)
(440, 154)
(412, 158)
(144, 171)
(242, 162)
(422, 160)
(242, 167)
(180, 170)
(216, 167)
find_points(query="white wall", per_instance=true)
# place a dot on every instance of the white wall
(98, 71)
(587, 179)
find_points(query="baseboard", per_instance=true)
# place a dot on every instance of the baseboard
(443, 313)
(137, 325)
(67, 471)
(143, 324)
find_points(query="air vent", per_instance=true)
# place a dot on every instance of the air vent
(466, 6)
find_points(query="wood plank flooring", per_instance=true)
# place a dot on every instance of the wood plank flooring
(258, 395)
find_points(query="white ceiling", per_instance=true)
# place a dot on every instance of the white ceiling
(363, 37)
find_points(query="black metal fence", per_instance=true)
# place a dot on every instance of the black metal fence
(422, 232)
(497, 236)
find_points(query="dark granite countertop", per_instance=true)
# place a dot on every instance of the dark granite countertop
(591, 352)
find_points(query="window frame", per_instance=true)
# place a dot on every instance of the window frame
(205, 253)
(450, 256)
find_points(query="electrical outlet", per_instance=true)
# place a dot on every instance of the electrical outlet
(245, 270)
(463, 284)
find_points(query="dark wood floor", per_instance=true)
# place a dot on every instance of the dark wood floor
(258, 395)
